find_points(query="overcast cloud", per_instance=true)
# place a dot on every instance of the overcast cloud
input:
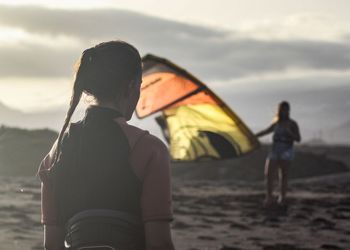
(208, 52)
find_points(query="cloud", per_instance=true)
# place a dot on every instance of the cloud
(207, 52)
(304, 26)
(35, 60)
(317, 103)
(96, 24)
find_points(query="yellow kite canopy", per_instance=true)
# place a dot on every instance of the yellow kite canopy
(196, 123)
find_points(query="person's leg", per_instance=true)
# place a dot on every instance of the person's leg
(283, 177)
(270, 172)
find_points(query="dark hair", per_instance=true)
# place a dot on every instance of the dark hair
(283, 105)
(104, 71)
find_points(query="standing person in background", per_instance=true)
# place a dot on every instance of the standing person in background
(285, 132)
(106, 184)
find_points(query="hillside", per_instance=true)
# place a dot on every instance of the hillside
(309, 161)
(11, 117)
(21, 150)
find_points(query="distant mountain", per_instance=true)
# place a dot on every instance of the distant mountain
(22, 150)
(52, 119)
(310, 161)
(7, 111)
(315, 142)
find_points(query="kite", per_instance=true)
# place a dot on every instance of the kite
(195, 122)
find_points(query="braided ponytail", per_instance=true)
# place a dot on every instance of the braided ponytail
(78, 89)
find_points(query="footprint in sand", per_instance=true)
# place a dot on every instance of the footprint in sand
(283, 247)
(180, 225)
(330, 247)
(205, 237)
(300, 216)
(341, 213)
(229, 248)
(322, 224)
(237, 225)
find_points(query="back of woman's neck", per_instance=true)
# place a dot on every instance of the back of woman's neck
(108, 105)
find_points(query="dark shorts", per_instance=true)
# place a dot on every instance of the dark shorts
(281, 152)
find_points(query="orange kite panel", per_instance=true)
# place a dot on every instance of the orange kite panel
(159, 90)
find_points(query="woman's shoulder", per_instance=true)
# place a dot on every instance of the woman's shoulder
(153, 143)
(141, 137)
(149, 155)
(293, 122)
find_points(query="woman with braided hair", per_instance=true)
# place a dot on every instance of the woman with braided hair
(106, 184)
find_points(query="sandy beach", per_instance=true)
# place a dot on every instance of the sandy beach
(224, 212)
(230, 216)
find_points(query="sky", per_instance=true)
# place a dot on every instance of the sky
(252, 53)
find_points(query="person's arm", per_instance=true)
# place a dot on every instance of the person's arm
(294, 131)
(53, 234)
(266, 131)
(53, 237)
(151, 162)
(298, 138)
(156, 197)
(158, 235)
